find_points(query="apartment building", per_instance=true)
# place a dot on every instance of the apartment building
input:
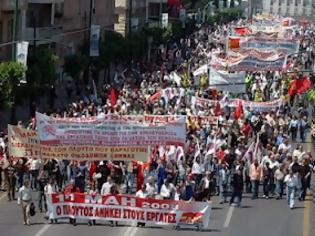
(58, 24)
(134, 14)
(294, 8)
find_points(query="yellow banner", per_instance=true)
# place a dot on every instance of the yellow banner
(24, 143)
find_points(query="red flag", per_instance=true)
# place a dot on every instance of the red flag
(155, 96)
(140, 176)
(292, 87)
(234, 43)
(242, 31)
(217, 109)
(112, 97)
(298, 86)
(303, 84)
(238, 111)
(153, 152)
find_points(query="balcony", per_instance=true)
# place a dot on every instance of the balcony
(9, 5)
(45, 35)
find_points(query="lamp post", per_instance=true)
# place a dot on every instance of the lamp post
(14, 31)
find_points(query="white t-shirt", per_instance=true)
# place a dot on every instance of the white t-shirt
(151, 190)
(106, 188)
(49, 189)
(34, 164)
(141, 194)
(166, 191)
(196, 168)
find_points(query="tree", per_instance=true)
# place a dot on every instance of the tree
(75, 65)
(10, 87)
(41, 73)
(41, 76)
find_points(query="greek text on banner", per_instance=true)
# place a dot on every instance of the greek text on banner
(24, 143)
(127, 208)
(109, 131)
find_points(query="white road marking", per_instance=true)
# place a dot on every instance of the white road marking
(131, 231)
(228, 217)
(43, 230)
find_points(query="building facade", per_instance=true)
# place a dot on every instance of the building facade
(59, 24)
(134, 14)
(293, 8)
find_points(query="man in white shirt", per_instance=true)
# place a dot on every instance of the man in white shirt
(167, 190)
(34, 165)
(151, 187)
(24, 199)
(291, 181)
(107, 186)
(142, 193)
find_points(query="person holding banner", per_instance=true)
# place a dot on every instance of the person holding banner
(93, 191)
(142, 193)
(50, 188)
(72, 188)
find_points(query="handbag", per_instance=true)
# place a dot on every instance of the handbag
(32, 209)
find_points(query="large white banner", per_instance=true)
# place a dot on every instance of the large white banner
(128, 209)
(250, 60)
(238, 43)
(110, 130)
(225, 81)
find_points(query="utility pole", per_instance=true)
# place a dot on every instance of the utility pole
(130, 14)
(34, 23)
(15, 29)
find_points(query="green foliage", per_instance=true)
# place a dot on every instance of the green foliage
(75, 64)
(112, 48)
(10, 76)
(41, 73)
(311, 95)
(224, 16)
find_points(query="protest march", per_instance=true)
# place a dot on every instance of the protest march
(219, 114)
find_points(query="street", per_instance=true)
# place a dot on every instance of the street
(257, 217)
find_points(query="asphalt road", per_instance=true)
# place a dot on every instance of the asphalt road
(257, 217)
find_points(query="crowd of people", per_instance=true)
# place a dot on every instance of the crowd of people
(216, 160)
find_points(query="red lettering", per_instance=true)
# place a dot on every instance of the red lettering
(58, 210)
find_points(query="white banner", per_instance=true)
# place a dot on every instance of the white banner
(110, 130)
(164, 20)
(21, 52)
(201, 70)
(94, 40)
(252, 60)
(225, 81)
(128, 209)
(238, 43)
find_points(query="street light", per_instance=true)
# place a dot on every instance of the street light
(14, 31)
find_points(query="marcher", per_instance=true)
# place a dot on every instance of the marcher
(291, 181)
(237, 184)
(279, 179)
(255, 173)
(11, 181)
(142, 193)
(24, 199)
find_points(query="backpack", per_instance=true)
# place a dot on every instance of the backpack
(32, 209)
